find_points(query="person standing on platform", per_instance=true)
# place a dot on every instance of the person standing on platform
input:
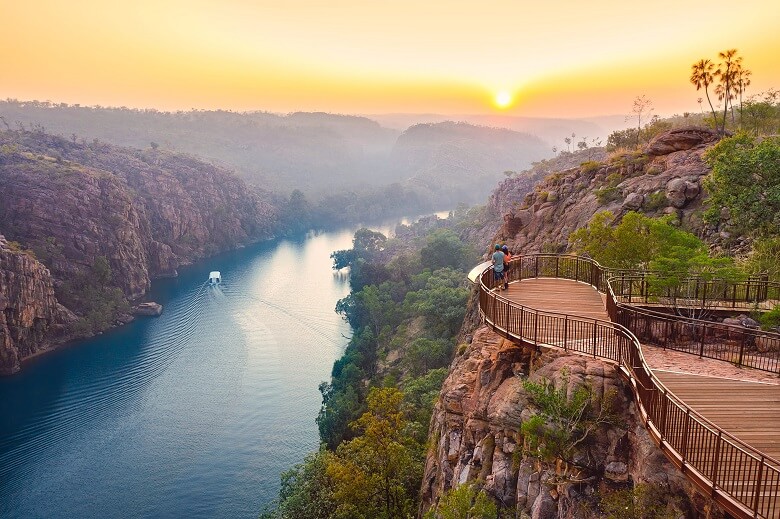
(507, 265)
(498, 267)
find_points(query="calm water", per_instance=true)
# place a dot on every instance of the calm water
(193, 414)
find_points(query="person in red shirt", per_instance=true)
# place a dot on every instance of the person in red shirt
(507, 265)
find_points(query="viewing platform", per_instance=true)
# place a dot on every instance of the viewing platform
(708, 393)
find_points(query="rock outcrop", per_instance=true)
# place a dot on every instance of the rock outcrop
(475, 433)
(680, 139)
(31, 319)
(665, 178)
(134, 214)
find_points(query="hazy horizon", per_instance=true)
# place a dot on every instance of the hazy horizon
(350, 57)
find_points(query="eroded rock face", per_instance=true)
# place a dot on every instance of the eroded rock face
(31, 320)
(145, 212)
(668, 181)
(475, 432)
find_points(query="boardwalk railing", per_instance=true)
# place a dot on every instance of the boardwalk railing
(641, 287)
(738, 345)
(743, 480)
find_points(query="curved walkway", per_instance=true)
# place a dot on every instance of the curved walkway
(743, 401)
(721, 431)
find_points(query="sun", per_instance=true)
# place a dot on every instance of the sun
(503, 99)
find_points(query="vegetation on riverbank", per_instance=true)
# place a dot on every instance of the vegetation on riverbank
(407, 303)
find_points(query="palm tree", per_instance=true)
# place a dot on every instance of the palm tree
(741, 82)
(701, 76)
(725, 73)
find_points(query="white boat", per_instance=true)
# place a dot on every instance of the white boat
(215, 278)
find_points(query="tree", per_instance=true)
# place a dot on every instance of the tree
(725, 74)
(376, 474)
(642, 105)
(629, 245)
(306, 490)
(702, 77)
(445, 249)
(764, 258)
(741, 82)
(760, 114)
(465, 501)
(640, 242)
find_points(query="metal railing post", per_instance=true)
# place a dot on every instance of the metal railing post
(701, 344)
(506, 322)
(566, 332)
(716, 461)
(662, 418)
(686, 427)
(536, 328)
(757, 487)
(741, 349)
(522, 318)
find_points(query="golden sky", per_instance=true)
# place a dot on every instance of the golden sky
(554, 57)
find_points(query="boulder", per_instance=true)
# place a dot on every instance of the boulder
(633, 202)
(150, 309)
(679, 191)
(680, 139)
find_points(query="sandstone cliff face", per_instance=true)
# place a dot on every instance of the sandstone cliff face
(475, 433)
(31, 320)
(664, 179)
(145, 212)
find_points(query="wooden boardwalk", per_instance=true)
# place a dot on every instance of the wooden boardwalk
(748, 410)
(711, 420)
(558, 295)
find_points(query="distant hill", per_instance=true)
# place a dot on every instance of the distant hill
(461, 162)
(311, 151)
(318, 153)
(551, 130)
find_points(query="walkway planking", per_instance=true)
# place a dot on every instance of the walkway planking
(748, 410)
(561, 296)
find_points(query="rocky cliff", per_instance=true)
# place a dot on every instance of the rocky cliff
(665, 178)
(118, 217)
(31, 319)
(476, 427)
(476, 435)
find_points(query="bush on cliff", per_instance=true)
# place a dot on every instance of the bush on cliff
(565, 422)
(745, 180)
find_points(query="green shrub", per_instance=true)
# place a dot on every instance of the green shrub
(656, 201)
(589, 166)
(607, 195)
(770, 319)
(639, 502)
(614, 179)
(564, 422)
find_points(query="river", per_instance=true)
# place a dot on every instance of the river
(192, 414)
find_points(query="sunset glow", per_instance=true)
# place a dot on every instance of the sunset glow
(377, 57)
(503, 99)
